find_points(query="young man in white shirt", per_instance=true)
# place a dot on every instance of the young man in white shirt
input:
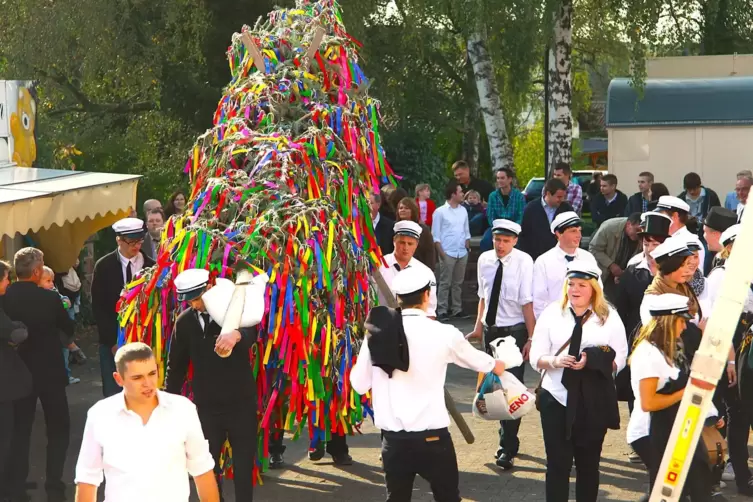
(452, 237)
(142, 441)
(409, 405)
(407, 234)
(550, 268)
(505, 308)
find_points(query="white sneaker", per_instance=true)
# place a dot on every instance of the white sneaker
(72, 380)
(729, 473)
(722, 485)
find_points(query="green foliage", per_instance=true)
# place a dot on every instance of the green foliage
(529, 153)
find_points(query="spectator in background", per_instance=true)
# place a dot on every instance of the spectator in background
(730, 202)
(382, 225)
(742, 189)
(699, 198)
(717, 221)
(150, 205)
(426, 206)
(613, 245)
(505, 203)
(176, 204)
(393, 200)
(594, 188)
(476, 212)
(385, 209)
(536, 237)
(611, 203)
(452, 239)
(68, 343)
(574, 192)
(155, 222)
(639, 201)
(462, 173)
(658, 190)
(425, 251)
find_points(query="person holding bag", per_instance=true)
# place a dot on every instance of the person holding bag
(578, 344)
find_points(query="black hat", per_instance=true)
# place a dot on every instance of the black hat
(720, 218)
(655, 225)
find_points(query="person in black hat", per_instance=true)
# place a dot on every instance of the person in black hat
(717, 221)
(224, 388)
(111, 273)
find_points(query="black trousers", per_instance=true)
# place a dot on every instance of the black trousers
(58, 424)
(430, 454)
(739, 422)
(649, 457)
(6, 435)
(508, 429)
(584, 446)
(337, 445)
(239, 427)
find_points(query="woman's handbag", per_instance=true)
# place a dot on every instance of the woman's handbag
(714, 444)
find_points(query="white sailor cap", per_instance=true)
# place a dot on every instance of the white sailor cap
(668, 304)
(130, 228)
(411, 280)
(408, 228)
(693, 243)
(583, 269)
(505, 227)
(729, 235)
(674, 246)
(190, 284)
(565, 220)
(671, 203)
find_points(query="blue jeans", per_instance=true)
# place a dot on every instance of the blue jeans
(487, 241)
(478, 224)
(107, 367)
(66, 353)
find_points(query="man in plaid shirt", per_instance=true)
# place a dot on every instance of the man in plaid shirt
(506, 202)
(574, 196)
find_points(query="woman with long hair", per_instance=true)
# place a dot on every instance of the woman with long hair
(577, 345)
(660, 368)
(176, 204)
(426, 253)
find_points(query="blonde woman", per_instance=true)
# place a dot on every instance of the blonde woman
(577, 344)
(659, 368)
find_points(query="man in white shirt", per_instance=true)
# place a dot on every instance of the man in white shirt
(452, 237)
(409, 406)
(142, 441)
(407, 234)
(505, 308)
(550, 269)
(679, 211)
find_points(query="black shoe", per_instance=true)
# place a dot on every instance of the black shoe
(461, 315)
(276, 461)
(342, 459)
(443, 318)
(506, 461)
(318, 453)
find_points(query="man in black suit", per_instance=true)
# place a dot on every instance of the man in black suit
(382, 225)
(44, 316)
(224, 387)
(536, 237)
(111, 273)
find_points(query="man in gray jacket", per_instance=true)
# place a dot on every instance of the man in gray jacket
(613, 245)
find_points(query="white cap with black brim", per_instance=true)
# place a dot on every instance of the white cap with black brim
(505, 227)
(191, 284)
(729, 235)
(563, 221)
(582, 269)
(407, 228)
(673, 246)
(668, 304)
(411, 280)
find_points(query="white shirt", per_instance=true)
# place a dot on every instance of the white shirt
(714, 288)
(143, 462)
(137, 263)
(413, 400)
(554, 328)
(517, 285)
(549, 274)
(390, 271)
(449, 226)
(647, 361)
(376, 220)
(684, 232)
(640, 257)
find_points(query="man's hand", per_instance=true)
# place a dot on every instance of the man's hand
(720, 423)
(499, 367)
(526, 350)
(476, 333)
(579, 365)
(226, 342)
(615, 270)
(731, 374)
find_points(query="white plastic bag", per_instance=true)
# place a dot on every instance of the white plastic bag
(504, 398)
(506, 350)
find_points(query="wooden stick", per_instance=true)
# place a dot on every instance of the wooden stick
(254, 52)
(315, 43)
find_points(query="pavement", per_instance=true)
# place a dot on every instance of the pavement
(303, 480)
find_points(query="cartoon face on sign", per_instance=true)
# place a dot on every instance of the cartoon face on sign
(22, 123)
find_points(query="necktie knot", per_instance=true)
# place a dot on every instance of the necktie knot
(398, 267)
(569, 258)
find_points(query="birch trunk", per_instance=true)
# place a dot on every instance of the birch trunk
(490, 103)
(560, 88)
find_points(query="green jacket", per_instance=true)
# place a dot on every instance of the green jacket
(605, 243)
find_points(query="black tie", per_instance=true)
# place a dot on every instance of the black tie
(491, 311)
(397, 266)
(205, 317)
(129, 274)
(574, 348)
(569, 258)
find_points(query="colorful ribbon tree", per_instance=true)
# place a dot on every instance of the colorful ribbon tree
(280, 184)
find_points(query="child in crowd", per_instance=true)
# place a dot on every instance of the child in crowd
(69, 346)
(426, 206)
(476, 212)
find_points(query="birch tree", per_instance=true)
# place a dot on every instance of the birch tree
(560, 87)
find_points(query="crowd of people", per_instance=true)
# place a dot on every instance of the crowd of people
(618, 322)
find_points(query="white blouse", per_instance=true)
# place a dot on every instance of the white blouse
(555, 326)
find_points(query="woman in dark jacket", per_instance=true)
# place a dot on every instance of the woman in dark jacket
(426, 253)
